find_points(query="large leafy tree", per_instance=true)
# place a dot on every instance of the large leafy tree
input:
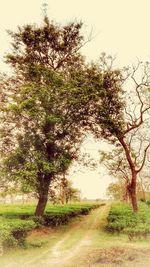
(44, 104)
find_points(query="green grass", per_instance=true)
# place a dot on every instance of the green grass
(13, 232)
(17, 210)
(16, 220)
(121, 219)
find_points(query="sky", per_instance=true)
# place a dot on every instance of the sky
(119, 28)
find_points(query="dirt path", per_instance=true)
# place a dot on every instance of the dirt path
(86, 244)
(72, 242)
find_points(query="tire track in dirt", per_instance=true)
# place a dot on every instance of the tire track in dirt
(57, 255)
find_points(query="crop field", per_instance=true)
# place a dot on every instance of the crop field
(92, 240)
(17, 220)
(121, 219)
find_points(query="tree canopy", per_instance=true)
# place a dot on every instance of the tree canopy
(44, 104)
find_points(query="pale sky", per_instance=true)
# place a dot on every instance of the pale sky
(120, 27)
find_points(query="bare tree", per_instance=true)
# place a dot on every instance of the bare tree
(124, 117)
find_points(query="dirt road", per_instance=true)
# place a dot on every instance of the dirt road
(84, 244)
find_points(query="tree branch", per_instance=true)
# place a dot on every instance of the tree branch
(144, 158)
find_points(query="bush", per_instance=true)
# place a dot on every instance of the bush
(39, 220)
(121, 219)
(148, 202)
(13, 232)
(56, 219)
(17, 220)
(143, 200)
(7, 239)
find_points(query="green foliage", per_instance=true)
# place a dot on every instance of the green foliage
(116, 190)
(27, 211)
(110, 110)
(148, 202)
(49, 102)
(17, 220)
(58, 215)
(121, 219)
(14, 231)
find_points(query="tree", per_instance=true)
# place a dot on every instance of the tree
(67, 191)
(62, 191)
(72, 194)
(116, 190)
(144, 184)
(123, 117)
(117, 166)
(44, 105)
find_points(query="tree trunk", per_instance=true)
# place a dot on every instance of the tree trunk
(43, 196)
(63, 187)
(134, 200)
(132, 185)
(126, 194)
(62, 194)
(40, 208)
(132, 192)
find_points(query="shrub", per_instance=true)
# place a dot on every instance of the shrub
(39, 220)
(143, 200)
(121, 219)
(17, 220)
(148, 202)
(7, 239)
(13, 232)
